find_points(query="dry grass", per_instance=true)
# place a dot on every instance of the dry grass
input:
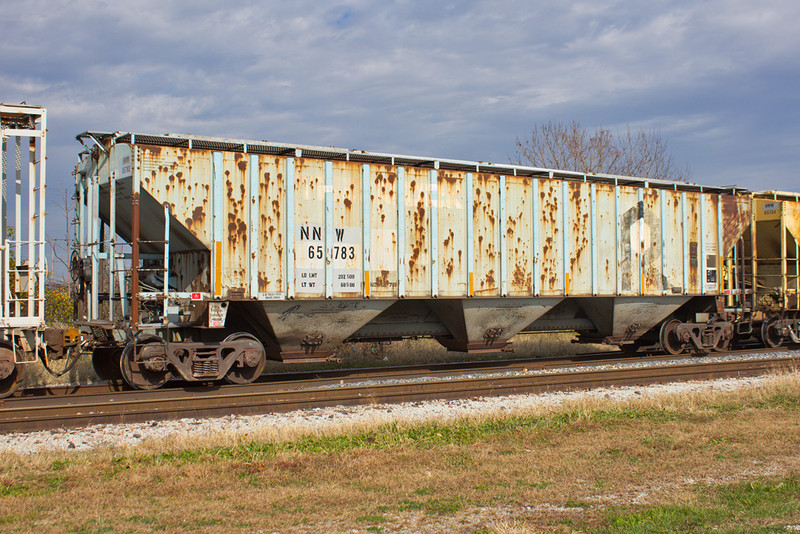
(552, 470)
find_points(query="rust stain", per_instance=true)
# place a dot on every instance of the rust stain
(735, 220)
(382, 281)
(449, 178)
(519, 276)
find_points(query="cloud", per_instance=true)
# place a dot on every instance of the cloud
(457, 79)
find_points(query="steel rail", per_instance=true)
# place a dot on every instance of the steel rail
(402, 371)
(30, 414)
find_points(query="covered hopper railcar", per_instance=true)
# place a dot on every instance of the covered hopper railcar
(198, 258)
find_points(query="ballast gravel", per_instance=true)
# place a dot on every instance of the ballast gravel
(320, 420)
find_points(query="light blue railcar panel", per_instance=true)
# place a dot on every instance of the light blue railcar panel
(218, 208)
(289, 218)
(401, 232)
(618, 219)
(328, 229)
(434, 222)
(640, 244)
(503, 238)
(593, 191)
(252, 241)
(365, 224)
(469, 215)
(685, 232)
(535, 225)
(662, 196)
(701, 254)
(565, 233)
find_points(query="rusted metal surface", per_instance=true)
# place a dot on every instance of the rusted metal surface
(486, 221)
(579, 232)
(272, 213)
(346, 251)
(234, 222)
(551, 262)
(182, 178)
(326, 230)
(519, 236)
(607, 266)
(452, 213)
(792, 217)
(417, 235)
(383, 281)
(577, 223)
(736, 215)
(309, 220)
(695, 253)
(673, 245)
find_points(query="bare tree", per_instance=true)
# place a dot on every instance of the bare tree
(61, 245)
(570, 147)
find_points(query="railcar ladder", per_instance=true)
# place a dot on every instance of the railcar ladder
(22, 243)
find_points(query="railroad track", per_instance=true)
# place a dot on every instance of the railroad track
(81, 406)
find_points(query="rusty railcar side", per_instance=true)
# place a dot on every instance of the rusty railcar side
(305, 247)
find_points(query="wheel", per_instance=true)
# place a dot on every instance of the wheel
(770, 335)
(11, 373)
(146, 373)
(668, 337)
(254, 359)
(722, 344)
(106, 363)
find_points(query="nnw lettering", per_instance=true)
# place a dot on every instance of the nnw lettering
(311, 233)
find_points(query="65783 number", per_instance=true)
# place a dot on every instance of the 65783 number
(337, 252)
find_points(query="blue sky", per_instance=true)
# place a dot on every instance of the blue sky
(462, 79)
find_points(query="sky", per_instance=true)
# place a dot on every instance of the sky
(462, 80)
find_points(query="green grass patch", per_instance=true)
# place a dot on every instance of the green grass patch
(371, 519)
(751, 507)
(434, 506)
(12, 490)
(393, 435)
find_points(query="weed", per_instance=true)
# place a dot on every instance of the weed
(735, 508)
(434, 506)
(371, 519)
(59, 465)
(12, 490)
